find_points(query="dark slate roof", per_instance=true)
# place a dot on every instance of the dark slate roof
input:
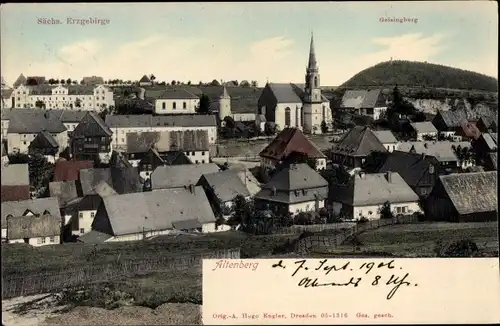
(49, 138)
(165, 141)
(89, 203)
(385, 136)
(362, 99)
(410, 166)
(90, 178)
(70, 170)
(177, 94)
(20, 227)
(33, 122)
(359, 141)
(123, 180)
(454, 118)
(94, 237)
(290, 140)
(68, 115)
(289, 93)
(21, 80)
(483, 186)
(65, 191)
(177, 176)
(92, 125)
(226, 185)
(156, 210)
(6, 93)
(493, 157)
(147, 120)
(94, 80)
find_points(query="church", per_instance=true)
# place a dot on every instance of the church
(297, 105)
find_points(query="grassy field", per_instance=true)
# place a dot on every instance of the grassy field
(420, 240)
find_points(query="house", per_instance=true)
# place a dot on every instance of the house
(288, 141)
(491, 161)
(464, 197)
(142, 215)
(67, 97)
(251, 183)
(21, 80)
(123, 180)
(35, 80)
(70, 118)
(419, 171)
(46, 145)
(180, 176)
(25, 125)
(153, 159)
(364, 102)
(91, 139)
(424, 131)
(387, 139)
(222, 188)
(443, 151)
(70, 170)
(121, 125)
(447, 122)
(15, 182)
(177, 101)
(484, 145)
(295, 188)
(86, 210)
(355, 146)
(301, 106)
(37, 222)
(92, 81)
(194, 144)
(487, 124)
(468, 131)
(145, 81)
(365, 194)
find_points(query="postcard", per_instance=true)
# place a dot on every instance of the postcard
(249, 163)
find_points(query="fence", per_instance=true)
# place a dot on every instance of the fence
(14, 285)
(311, 228)
(308, 244)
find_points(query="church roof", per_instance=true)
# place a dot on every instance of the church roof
(290, 140)
(312, 55)
(21, 80)
(144, 79)
(289, 93)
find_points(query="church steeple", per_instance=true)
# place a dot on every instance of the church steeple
(313, 65)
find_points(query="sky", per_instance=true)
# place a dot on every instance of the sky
(259, 41)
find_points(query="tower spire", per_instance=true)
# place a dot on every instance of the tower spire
(312, 55)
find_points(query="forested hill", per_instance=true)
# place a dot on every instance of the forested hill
(421, 74)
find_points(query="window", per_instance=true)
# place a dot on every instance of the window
(132, 156)
(103, 138)
(80, 215)
(24, 142)
(193, 153)
(92, 215)
(398, 210)
(202, 153)
(405, 209)
(288, 117)
(42, 240)
(423, 191)
(163, 106)
(103, 148)
(52, 239)
(174, 104)
(304, 192)
(123, 140)
(184, 105)
(197, 162)
(82, 230)
(202, 161)
(39, 240)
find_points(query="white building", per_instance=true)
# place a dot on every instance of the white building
(177, 101)
(386, 137)
(70, 97)
(122, 125)
(423, 130)
(296, 105)
(365, 194)
(369, 103)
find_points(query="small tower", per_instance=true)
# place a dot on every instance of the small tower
(312, 101)
(224, 105)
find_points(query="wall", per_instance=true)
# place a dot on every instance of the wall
(359, 211)
(191, 105)
(280, 114)
(377, 112)
(199, 157)
(390, 146)
(420, 135)
(36, 242)
(308, 206)
(54, 281)
(85, 219)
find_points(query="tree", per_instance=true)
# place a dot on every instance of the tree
(56, 81)
(62, 81)
(52, 81)
(68, 81)
(215, 82)
(75, 82)
(270, 129)
(152, 78)
(254, 83)
(204, 107)
(244, 83)
(40, 170)
(78, 102)
(298, 158)
(242, 212)
(189, 82)
(385, 211)
(324, 127)
(39, 104)
(173, 83)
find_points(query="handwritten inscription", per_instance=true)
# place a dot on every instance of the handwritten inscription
(372, 274)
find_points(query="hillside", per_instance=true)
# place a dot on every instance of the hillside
(421, 74)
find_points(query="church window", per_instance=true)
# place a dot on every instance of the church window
(316, 82)
(288, 117)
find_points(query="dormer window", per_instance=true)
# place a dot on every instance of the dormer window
(304, 192)
(297, 193)
(28, 213)
(46, 212)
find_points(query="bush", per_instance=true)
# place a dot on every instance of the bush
(362, 220)
(457, 248)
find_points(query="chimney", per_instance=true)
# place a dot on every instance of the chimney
(273, 191)
(191, 188)
(388, 176)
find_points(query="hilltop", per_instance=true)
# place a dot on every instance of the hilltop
(421, 74)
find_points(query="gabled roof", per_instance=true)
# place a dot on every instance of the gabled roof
(21, 80)
(148, 120)
(20, 227)
(164, 141)
(385, 136)
(145, 79)
(289, 93)
(410, 166)
(177, 176)
(122, 179)
(65, 191)
(36, 206)
(373, 189)
(424, 127)
(92, 125)
(103, 189)
(472, 192)
(15, 175)
(359, 141)
(172, 157)
(45, 139)
(362, 99)
(226, 185)
(156, 210)
(94, 237)
(70, 170)
(290, 140)
(68, 116)
(89, 203)
(177, 94)
(490, 139)
(33, 122)
(15, 193)
(493, 160)
(442, 150)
